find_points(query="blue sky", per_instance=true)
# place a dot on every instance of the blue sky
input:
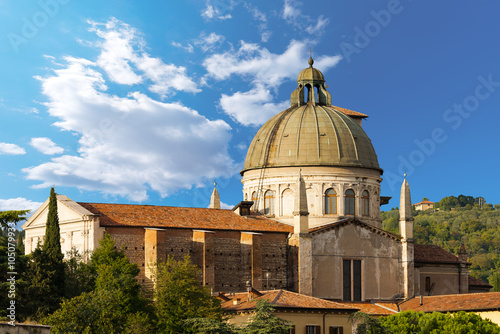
(150, 101)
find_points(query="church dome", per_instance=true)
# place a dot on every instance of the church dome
(311, 132)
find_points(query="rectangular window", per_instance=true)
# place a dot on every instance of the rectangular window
(336, 330)
(352, 280)
(313, 329)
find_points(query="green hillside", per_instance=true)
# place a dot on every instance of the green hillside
(478, 228)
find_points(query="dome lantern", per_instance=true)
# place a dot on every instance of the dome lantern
(310, 84)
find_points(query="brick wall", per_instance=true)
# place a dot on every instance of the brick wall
(132, 241)
(227, 259)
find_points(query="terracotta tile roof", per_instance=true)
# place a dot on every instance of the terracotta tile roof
(424, 202)
(453, 303)
(350, 112)
(353, 220)
(283, 299)
(478, 282)
(179, 217)
(374, 308)
(433, 254)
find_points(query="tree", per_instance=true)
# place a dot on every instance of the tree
(79, 277)
(425, 199)
(419, 322)
(264, 321)
(179, 296)
(11, 218)
(365, 324)
(495, 282)
(39, 298)
(46, 267)
(115, 305)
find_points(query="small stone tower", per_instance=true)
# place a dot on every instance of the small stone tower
(407, 249)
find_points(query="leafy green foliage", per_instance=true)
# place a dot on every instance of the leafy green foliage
(478, 228)
(40, 299)
(178, 296)
(366, 324)
(115, 305)
(427, 323)
(264, 321)
(14, 217)
(79, 277)
(210, 326)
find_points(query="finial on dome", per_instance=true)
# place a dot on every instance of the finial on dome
(311, 62)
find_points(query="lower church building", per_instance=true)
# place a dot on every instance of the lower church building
(309, 221)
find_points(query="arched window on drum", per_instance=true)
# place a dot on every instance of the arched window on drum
(254, 200)
(330, 201)
(269, 202)
(350, 205)
(365, 201)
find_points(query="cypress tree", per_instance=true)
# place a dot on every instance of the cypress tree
(52, 243)
(53, 271)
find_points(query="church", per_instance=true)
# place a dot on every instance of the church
(309, 221)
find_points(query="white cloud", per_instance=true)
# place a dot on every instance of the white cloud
(7, 148)
(293, 15)
(290, 10)
(125, 61)
(46, 146)
(266, 71)
(209, 42)
(211, 12)
(189, 48)
(129, 145)
(253, 107)
(18, 203)
(319, 27)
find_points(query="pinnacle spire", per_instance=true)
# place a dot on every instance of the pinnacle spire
(300, 207)
(215, 198)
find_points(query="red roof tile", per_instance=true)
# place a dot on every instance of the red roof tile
(433, 254)
(350, 112)
(283, 299)
(424, 202)
(178, 217)
(453, 303)
(374, 308)
(478, 282)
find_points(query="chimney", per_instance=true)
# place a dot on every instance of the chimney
(421, 300)
(462, 254)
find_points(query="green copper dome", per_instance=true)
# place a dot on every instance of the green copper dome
(311, 133)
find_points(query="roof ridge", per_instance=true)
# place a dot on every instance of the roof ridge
(277, 296)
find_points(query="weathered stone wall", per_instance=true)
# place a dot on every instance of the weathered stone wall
(379, 255)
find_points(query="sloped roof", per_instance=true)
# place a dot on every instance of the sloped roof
(454, 303)
(350, 112)
(477, 282)
(433, 254)
(283, 299)
(424, 202)
(374, 308)
(353, 220)
(179, 217)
